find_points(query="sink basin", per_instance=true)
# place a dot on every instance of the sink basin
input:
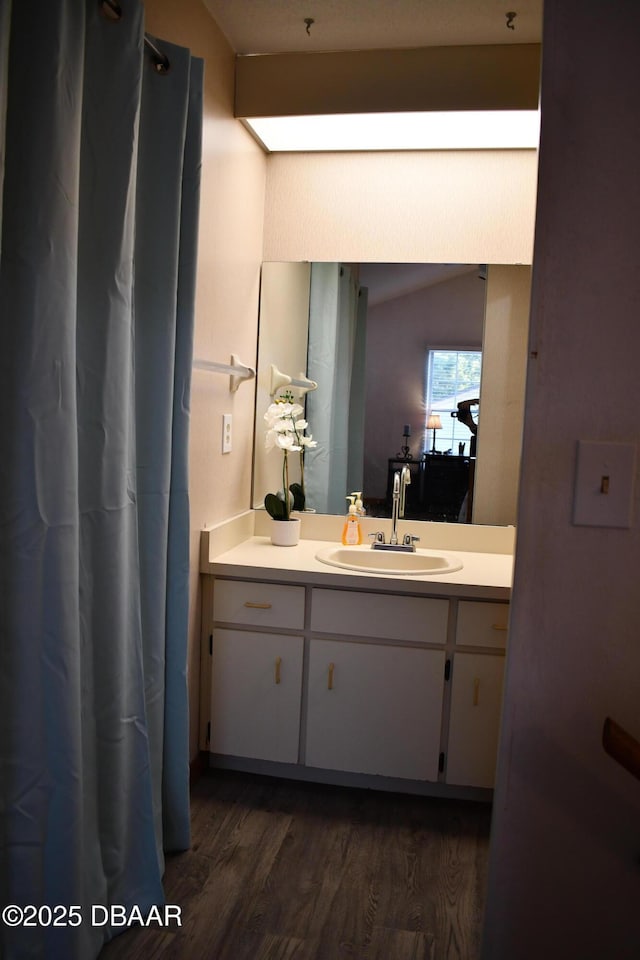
(367, 560)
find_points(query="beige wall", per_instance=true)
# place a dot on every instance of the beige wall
(434, 207)
(504, 370)
(229, 257)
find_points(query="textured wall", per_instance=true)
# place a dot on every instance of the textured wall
(435, 207)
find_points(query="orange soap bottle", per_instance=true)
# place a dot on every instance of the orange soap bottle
(351, 532)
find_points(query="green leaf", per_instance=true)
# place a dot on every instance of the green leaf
(275, 507)
(298, 496)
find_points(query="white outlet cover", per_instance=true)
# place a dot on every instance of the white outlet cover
(226, 433)
(604, 482)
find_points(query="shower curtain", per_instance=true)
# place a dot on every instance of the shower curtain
(100, 154)
(335, 411)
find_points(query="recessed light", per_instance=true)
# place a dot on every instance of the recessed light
(457, 130)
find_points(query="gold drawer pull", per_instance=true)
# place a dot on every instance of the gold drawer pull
(499, 626)
(332, 667)
(278, 664)
(476, 691)
(254, 605)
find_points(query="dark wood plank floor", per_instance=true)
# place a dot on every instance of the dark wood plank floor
(280, 870)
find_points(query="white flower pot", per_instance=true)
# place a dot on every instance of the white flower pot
(285, 533)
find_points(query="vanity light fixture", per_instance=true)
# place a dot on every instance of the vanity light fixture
(434, 423)
(454, 130)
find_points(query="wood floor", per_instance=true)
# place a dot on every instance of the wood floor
(280, 870)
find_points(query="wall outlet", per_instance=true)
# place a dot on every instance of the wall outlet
(226, 433)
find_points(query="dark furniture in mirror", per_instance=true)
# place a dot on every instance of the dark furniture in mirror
(439, 485)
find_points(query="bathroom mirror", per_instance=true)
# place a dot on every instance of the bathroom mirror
(397, 313)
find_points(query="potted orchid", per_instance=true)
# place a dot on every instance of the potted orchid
(286, 432)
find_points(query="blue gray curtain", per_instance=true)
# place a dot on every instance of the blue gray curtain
(335, 411)
(100, 159)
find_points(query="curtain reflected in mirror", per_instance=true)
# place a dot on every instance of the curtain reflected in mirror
(336, 361)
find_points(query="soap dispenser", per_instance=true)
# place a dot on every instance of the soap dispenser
(351, 532)
(360, 510)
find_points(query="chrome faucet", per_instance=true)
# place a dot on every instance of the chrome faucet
(401, 480)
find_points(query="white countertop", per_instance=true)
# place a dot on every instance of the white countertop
(483, 575)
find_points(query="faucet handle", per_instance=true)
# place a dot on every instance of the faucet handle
(409, 540)
(377, 537)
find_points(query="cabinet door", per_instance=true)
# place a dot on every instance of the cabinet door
(374, 708)
(474, 724)
(256, 689)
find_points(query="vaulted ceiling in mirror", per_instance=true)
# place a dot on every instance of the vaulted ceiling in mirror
(386, 281)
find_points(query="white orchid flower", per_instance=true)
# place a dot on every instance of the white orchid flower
(282, 426)
(286, 426)
(273, 412)
(286, 442)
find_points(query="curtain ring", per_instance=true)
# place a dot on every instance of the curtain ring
(161, 61)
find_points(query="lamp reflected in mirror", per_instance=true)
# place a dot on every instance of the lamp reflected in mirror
(405, 450)
(434, 423)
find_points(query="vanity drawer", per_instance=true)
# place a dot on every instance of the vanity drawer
(379, 616)
(482, 624)
(258, 604)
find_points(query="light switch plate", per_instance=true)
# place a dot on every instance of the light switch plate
(605, 475)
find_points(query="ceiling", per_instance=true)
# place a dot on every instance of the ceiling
(387, 281)
(278, 26)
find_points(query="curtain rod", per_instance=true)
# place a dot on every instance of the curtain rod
(112, 10)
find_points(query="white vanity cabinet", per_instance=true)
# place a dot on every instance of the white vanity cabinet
(476, 694)
(357, 682)
(376, 707)
(256, 676)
